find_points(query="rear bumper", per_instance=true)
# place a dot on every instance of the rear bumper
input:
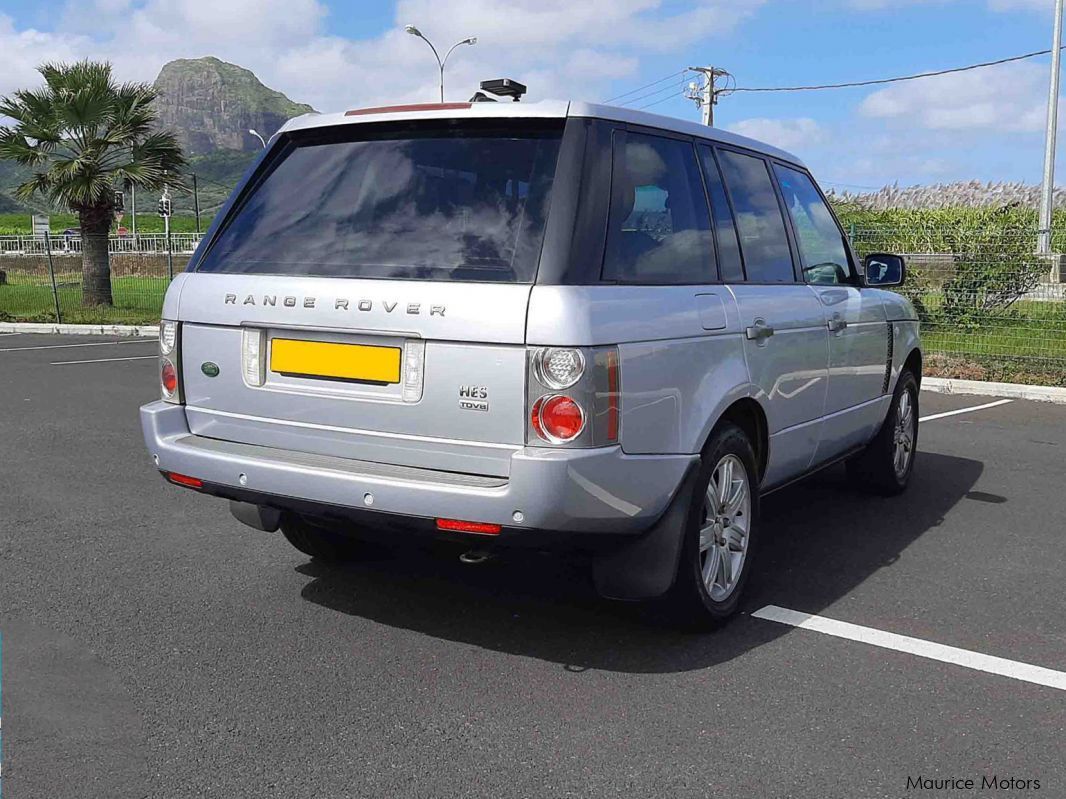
(582, 491)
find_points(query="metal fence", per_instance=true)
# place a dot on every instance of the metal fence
(143, 243)
(990, 308)
(41, 277)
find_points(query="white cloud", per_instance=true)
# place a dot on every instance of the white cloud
(1010, 98)
(558, 47)
(22, 51)
(788, 134)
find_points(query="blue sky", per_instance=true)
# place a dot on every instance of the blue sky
(984, 125)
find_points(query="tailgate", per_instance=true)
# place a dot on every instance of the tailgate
(423, 374)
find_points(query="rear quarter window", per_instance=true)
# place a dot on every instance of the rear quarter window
(447, 203)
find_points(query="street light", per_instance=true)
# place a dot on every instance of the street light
(411, 29)
(256, 134)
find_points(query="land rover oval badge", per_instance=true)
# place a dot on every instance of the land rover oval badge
(209, 369)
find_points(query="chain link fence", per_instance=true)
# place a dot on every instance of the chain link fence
(41, 277)
(990, 308)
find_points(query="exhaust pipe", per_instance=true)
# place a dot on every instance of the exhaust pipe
(475, 557)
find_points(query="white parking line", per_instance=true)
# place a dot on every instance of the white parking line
(964, 410)
(915, 646)
(106, 360)
(64, 346)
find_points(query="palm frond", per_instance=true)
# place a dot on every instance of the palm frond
(88, 135)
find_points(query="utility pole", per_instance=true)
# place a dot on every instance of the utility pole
(1043, 242)
(196, 202)
(706, 97)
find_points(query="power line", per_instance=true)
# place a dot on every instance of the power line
(645, 86)
(679, 86)
(892, 80)
(680, 91)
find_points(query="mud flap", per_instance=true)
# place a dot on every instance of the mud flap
(646, 567)
(258, 516)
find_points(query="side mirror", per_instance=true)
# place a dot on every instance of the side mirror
(883, 269)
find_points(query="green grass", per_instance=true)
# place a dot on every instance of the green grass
(138, 300)
(1034, 330)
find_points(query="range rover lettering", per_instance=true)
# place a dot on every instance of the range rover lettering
(538, 325)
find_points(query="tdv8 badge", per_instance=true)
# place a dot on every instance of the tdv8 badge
(474, 398)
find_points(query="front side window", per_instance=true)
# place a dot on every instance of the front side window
(432, 204)
(659, 228)
(763, 239)
(820, 240)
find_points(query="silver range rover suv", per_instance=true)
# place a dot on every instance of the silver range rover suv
(542, 325)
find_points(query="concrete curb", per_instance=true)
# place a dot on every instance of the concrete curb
(948, 385)
(80, 330)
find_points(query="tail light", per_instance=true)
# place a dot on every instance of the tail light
(557, 418)
(253, 350)
(170, 361)
(573, 396)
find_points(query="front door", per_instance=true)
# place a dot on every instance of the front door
(854, 318)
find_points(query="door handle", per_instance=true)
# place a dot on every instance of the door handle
(759, 331)
(836, 325)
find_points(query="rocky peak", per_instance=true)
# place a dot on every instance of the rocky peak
(211, 105)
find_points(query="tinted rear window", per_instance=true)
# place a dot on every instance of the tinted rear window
(444, 204)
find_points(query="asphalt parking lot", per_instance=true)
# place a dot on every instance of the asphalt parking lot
(153, 646)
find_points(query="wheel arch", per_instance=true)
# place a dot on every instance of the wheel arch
(913, 363)
(747, 414)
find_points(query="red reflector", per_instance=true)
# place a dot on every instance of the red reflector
(169, 377)
(184, 480)
(457, 526)
(612, 395)
(397, 109)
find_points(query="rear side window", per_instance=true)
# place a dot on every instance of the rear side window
(442, 204)
(729, 264)
(820, 240)
(763, 240)
(659, 228)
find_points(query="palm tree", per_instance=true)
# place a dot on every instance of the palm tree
(87, 137)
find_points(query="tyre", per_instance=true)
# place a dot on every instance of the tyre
(319, 540)
(885, 466)
(720, 536)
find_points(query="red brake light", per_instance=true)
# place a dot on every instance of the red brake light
(557, 418)
(455, 525)
(184, 480)
(168, 375)
(399, 109)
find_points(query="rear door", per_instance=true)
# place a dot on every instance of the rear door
(854, 317)
(786, 341)
(367, 296)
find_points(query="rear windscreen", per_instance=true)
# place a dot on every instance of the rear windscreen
(444, 204)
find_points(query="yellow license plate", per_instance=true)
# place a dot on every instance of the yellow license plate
(325, 359)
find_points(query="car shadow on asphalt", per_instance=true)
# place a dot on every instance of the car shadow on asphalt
(821, 538)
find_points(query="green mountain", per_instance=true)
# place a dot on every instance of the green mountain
(211, 105)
